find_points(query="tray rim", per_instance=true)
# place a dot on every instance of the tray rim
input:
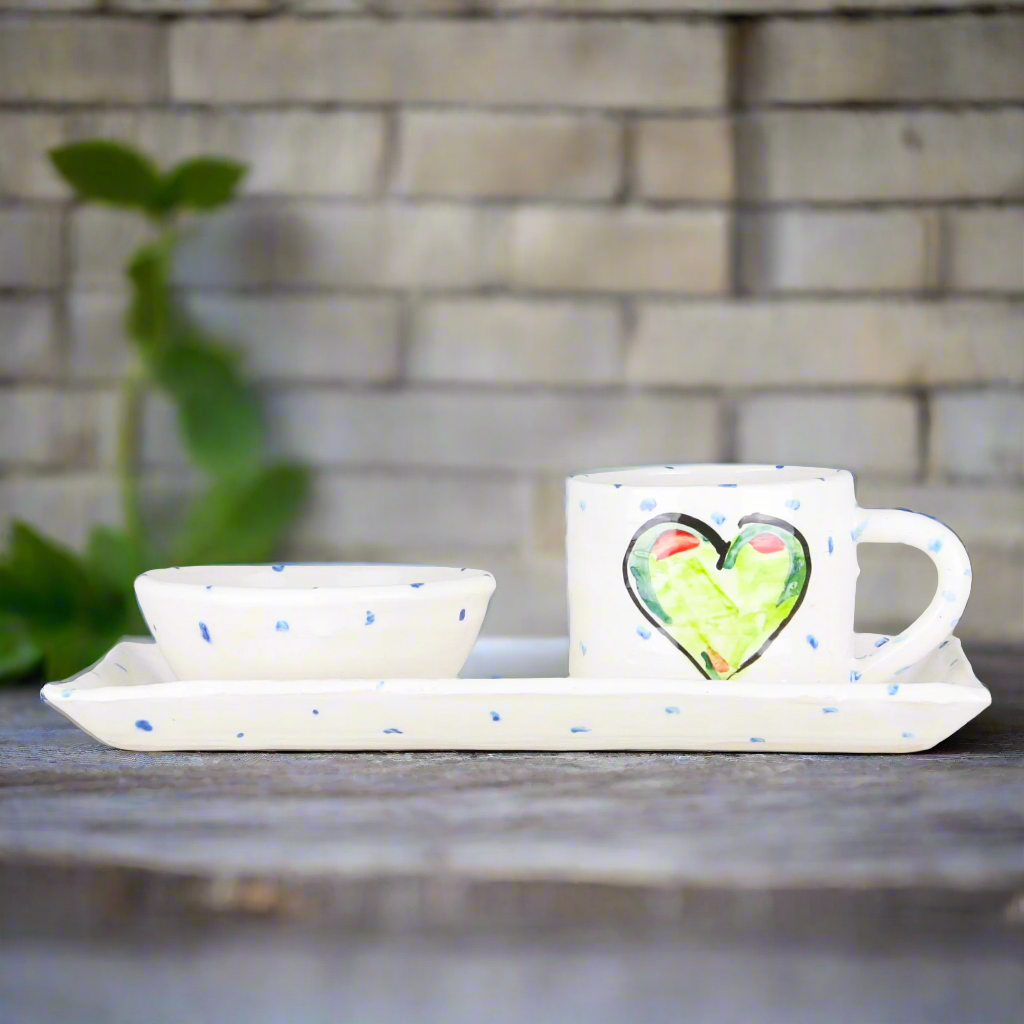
(88, 686)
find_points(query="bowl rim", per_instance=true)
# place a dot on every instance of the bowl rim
(463, 580)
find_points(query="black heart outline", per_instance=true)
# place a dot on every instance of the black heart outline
(715, 539)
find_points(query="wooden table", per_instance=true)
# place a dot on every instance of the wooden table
(470, 889)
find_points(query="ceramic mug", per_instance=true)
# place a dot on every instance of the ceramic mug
(739, 572)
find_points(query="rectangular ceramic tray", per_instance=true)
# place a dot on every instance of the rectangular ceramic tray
(513, 695)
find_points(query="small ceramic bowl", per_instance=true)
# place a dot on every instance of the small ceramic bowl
(314, 621)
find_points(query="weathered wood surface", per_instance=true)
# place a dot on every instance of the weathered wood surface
(622, 886)
(288, 979)
(953, 816)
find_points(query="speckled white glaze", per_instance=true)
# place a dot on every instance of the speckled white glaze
(617, 632)
(314, 621)
(518, 699)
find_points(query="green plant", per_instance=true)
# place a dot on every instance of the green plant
(59, 610)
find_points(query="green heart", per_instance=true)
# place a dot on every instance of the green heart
(720, 604)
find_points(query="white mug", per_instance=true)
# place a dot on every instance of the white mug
(739, 572)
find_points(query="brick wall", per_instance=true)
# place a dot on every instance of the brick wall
(486, 242)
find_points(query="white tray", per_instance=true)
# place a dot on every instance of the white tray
(514, 695)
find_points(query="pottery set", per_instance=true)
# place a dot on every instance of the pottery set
(710, 608)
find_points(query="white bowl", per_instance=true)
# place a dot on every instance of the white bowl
(314, 621)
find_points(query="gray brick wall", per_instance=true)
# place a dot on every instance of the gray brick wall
(485, 243)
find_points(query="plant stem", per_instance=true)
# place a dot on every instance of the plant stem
(129, 422)
(133, 392)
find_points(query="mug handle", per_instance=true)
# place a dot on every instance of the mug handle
(936, 622)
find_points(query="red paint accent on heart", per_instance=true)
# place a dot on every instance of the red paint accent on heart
(767, 543)
(672, 542)
(718, 663)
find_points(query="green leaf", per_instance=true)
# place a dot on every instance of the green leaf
(200, 184)
(41, 581)
(18, 655)
(117, 558)
(70, 614)
(243, 521)
(108, 172)
(218, 414)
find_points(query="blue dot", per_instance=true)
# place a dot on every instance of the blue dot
(495, 717)
(812, 640)
(881, 641)
(583, 506)
(282, 626)
(399, 731)
(831, 546)
(644, 633)
(583, 647)
(949, 595)
(717, 518)
(648, 505)
(935, 545)
(204, 632)
(497, 676)
(908, 735)
(616, 486)
(900, 671)
(370, 619)
(579, 728)
(756, 739)
(793, 503)
(670, 467)
(943, 644)
(671, 710)
(120, 666)
(66, 693)
(209, 586)
(462, 615)
(830, 711)
(780, 467)
(967, 572)
(239, 735)
(727, 485)
(143, 725)
(892, 689)
(380, 685)
(858, 530)
(277, 568)
(315, 712)
(415, 585)
(854, 675)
